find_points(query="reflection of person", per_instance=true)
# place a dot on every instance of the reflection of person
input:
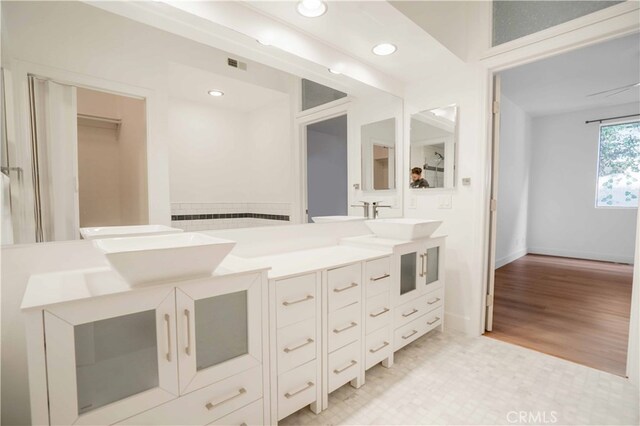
(417, 181)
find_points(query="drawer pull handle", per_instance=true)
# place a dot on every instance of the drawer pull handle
(340, 330)
(381, 277)
(422, 267)
(340, 370)
(293, 302)
(383, 311)
(432, 301)
(340, 290)
(410, 334)
(188, 315)
(384, 345)
(167, 320)
(435, 320)
(302, 345)
(210, 406)
(408, 314)
(291, 395)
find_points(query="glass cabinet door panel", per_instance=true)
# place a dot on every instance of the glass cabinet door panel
(222, 328)
(433, 259)
(115, 358)
(408, 272)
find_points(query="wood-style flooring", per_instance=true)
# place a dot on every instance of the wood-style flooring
(570, 308)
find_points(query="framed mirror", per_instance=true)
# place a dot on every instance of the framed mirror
(379, 155)
(432, 159)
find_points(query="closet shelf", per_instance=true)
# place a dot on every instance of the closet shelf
(101, 122)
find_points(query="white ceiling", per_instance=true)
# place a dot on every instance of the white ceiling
(354, 27)
(562, 83)
(193, 84)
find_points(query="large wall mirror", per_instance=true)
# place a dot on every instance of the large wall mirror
(378, 142)
(433, 148)
(186, 135)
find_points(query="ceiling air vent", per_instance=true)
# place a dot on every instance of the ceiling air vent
(236, 64)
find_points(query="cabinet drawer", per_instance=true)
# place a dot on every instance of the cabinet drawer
(433, 319)
(249, 415)
(344, 286)
(343, 366)
(409, 332)
(296, 344)
(344, 326)
(297, 389)
(295, 299)
(378, 312)
(207, 404)
(378, 346)
(409, 311)
(377, 276)
(434, 299)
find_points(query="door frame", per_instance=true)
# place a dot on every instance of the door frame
(158, 203)
(302, 121)
(572, 39)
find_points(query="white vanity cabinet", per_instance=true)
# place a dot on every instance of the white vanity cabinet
(189, 352)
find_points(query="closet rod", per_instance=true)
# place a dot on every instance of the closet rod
(600, 120)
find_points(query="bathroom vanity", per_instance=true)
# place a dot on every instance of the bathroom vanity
(276, 328)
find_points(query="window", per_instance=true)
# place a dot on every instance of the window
(315, 94)
(619, 165)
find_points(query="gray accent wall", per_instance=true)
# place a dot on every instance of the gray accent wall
(327, 180)
(513, 19)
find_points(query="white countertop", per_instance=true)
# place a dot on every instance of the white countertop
(303, 261)
(66, 286)
(377, 242)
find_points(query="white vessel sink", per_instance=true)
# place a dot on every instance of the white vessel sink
(327, 219)
(126, 231)
(403, 228)
(157, 258)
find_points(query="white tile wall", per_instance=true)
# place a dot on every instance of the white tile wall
(178, 209)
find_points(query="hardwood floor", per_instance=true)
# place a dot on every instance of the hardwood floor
(570, 308)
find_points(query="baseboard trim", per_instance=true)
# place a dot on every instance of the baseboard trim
(456, 322)
(510, 258)
(581, 255)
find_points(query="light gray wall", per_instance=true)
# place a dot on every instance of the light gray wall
(513, 182)
(514, 19)
(327, 182)
(563, 220)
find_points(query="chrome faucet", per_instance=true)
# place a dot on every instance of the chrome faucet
(365, 206)
(376, 206)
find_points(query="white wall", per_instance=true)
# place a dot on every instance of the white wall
(221, 155)
(466, 86)
(513, 182)
(563, 220)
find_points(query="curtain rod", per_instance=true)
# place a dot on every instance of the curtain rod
(600, 120)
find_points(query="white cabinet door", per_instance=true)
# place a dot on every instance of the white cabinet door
(409, 270)
(432, 263)
(111, 357)
(219, 329)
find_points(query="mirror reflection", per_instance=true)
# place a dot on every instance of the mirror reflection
(379, 155)
(212, 141)
(432, 155)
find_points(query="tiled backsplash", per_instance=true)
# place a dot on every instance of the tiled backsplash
(211, 216)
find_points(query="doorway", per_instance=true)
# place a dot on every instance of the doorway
(88, 154)
(327, 168)
(564, 204)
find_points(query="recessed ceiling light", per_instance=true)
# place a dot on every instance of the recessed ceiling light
(216, 93)
(332, 71)
(384, 49)
(312, 8)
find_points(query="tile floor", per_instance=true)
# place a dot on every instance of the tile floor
(449, 378)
